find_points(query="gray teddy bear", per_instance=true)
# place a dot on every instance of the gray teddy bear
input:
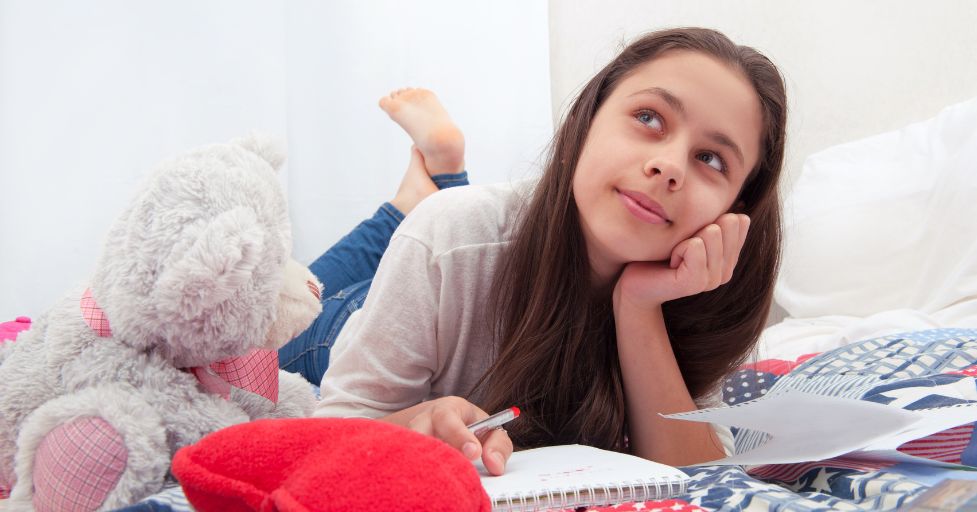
(174, 337)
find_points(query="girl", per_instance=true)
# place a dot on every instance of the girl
(625, 283)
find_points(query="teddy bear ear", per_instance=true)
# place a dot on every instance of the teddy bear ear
(269, 148)
(220, 261)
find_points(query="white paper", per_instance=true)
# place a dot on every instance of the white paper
(930, 422)
(806, 427)
(571, 467)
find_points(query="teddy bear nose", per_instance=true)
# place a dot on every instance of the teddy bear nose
(314, 288)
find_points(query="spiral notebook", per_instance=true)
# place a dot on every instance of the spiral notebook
(578, 476)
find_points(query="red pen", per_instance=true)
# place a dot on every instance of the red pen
(494, 421)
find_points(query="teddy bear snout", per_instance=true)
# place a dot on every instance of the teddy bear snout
(296, 307)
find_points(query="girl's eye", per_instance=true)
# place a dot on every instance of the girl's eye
(650, 119)
(712, 160)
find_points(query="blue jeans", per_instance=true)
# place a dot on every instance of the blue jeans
(346, 271)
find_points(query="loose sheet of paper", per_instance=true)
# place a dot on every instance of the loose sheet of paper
(805, 427)
(930, 422)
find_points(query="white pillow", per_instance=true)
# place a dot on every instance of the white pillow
(885, 223)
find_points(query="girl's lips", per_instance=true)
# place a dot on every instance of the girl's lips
(642, 207)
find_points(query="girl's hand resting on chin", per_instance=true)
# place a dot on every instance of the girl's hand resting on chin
(700, 264)
(446, 419)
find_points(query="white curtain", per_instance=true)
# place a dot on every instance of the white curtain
(93, 94)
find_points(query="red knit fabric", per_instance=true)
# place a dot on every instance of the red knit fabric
(317, 464)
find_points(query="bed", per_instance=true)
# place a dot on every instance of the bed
(930, 366)
(879, 285)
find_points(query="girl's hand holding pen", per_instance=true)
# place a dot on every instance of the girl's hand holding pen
(447, 419)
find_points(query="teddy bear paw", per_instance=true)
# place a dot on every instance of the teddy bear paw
(77, 465)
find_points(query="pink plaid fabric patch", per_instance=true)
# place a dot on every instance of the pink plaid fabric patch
(77, 465)
(94, 316)
(256, 372)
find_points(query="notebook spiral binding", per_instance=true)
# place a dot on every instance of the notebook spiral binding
(610, 493)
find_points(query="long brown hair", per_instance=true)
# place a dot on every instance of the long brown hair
(557, 354)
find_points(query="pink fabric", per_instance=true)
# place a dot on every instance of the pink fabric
(314, 288)
(10, 330)
(94, 316)
(77, 465)
(256, 372)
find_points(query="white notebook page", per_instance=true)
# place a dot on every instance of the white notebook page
(550, 469)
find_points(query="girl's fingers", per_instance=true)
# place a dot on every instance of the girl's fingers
(449, 425)
(744, 229)
(496, 450)
(678, 254)
(730, 225)
(422, 424)
(695, 261)
(712, 237)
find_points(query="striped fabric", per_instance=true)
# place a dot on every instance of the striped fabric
(77, 465)
(792, 472)
(946, 446)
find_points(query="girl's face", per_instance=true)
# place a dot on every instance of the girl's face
(666, 154)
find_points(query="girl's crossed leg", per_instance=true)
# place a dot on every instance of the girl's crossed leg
(347, 268)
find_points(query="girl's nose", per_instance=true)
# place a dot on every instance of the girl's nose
(667, 166)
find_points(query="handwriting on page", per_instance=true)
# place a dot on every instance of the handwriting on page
(546, 477)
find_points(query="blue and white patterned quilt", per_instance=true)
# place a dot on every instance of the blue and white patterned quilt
(922, 369)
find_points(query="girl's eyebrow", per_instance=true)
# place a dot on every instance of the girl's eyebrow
(673, 101)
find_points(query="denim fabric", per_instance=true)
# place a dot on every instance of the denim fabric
(444, 181)
(346, 271)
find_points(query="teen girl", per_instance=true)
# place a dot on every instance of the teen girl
(624, 283)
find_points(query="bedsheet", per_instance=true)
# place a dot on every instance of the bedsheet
(932, 368)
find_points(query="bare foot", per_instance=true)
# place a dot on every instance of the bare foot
(416, 184)
(422, 116)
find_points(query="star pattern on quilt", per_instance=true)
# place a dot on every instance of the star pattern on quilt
(642, 506)
(898, 367)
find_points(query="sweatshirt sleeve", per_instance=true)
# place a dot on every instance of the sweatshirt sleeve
(386, 355)
(724, 433)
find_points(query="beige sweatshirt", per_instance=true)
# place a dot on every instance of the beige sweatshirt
(424, 330)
